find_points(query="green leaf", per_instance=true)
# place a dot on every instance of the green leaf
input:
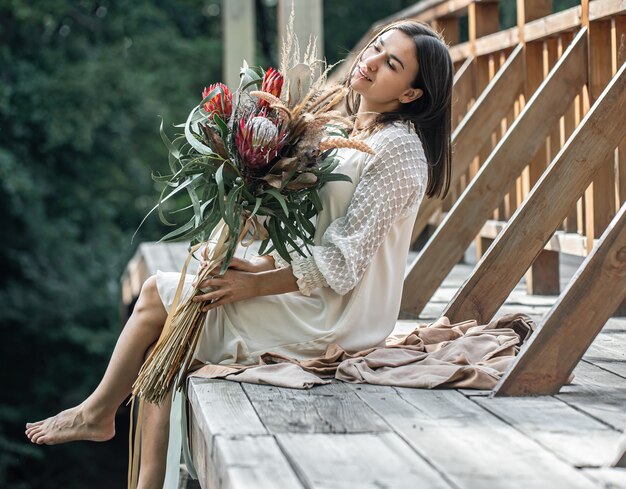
(277, 239)
(177, 232)
(336, 177)
(191, 138)
(221, 125)
(256, 206)
(219, 178)
(281, 200)
(315, 198)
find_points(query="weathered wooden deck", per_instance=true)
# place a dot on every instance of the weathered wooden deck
(359, 435)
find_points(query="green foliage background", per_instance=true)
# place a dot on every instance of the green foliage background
(82, 84)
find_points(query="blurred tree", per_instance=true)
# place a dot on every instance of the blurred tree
(81, 86)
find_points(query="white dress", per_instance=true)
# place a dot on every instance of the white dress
(350, 287)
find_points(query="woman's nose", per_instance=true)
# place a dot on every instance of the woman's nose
(372, 61)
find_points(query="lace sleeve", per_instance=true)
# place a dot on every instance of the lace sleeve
(392, 184)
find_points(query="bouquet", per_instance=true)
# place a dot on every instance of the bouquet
(252, 163)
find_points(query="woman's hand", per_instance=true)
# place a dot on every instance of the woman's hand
(238, 282)
(233, 286)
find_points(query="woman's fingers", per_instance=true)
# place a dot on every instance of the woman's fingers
(209, 296)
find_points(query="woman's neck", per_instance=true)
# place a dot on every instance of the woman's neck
(367, 114)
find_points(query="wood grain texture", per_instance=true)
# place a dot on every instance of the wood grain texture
(470, 445)
(331, 408)
(591, 298)
(598, 393)
(245, 462)
(222, 408)
(497, 174)
(369, 461)
(540, 214)
(558, 427)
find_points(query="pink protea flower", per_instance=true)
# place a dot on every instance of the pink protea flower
(259, 140)
(221, 104)
(272, 83)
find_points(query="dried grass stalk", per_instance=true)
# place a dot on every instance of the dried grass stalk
(176, 347)
(345, 143)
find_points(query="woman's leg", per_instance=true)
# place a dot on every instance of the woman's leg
(154, 441)
(94, 418)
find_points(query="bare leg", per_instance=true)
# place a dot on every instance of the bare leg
(94, 418)
(154, 441)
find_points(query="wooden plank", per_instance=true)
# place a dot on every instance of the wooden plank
(608, 351)
(599, 286)
(463, 89)
(573, 436)
(598, 393)
(620, 455)
(467, 443)
(157, 257)
(536, 220)
(568, 243)
(607, 477)
(246, 462)
(599, 9)
(506, 162)
(358, 460)
(551, 25)
(216, 403)
(475, 129)
(330, 408)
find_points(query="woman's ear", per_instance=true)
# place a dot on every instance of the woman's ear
(410, 95)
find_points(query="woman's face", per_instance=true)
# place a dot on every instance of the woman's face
(385, 71)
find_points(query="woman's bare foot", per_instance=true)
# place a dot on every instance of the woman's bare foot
(70, 425)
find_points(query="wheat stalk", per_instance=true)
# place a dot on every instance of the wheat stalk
(337, 142)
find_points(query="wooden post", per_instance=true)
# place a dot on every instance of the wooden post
(239, 38)
(536, 220)
(570, 327)
(600, 196)
(448, 27)
(506, 162)
(308, 23)
(543, 276)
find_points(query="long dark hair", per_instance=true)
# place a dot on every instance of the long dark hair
(431, 113)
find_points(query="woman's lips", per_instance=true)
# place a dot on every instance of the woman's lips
(360, 71)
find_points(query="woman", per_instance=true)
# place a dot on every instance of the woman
(348, 291)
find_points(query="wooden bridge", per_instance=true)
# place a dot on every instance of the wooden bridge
(539, 195)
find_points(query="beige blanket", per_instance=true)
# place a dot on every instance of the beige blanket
(440, 354)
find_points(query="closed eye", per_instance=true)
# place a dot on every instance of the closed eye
(388, 62)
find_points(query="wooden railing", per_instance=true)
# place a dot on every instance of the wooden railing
(539, 168)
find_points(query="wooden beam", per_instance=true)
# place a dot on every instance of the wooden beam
(599, 9)
(569, 328)
(463, 91)
(476, 127)
(536, 220)
(561, 242)
(506, 162)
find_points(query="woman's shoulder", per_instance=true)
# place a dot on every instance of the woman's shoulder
(396, 132)
(396, 136)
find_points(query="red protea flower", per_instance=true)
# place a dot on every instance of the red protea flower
(221, 104)
(259, 140)
(272, 83)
